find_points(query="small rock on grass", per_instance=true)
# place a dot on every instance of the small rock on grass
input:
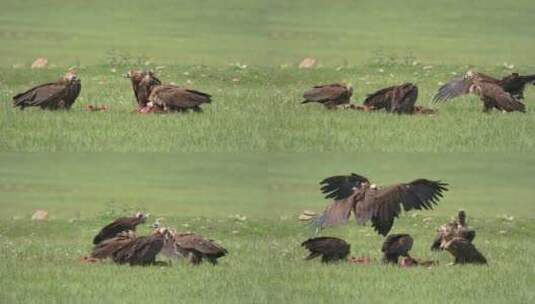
(40, 215)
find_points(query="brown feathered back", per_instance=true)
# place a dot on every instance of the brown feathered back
(59, 95)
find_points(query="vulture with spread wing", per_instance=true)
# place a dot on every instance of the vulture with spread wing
(119, 225)
(59, 95)
(193, 247)
(179, 99)
(354, 193)
(330, 249)
(330, 95)
(142, 83)
(491, 91)
(107, 248)
(396, 99)
(395, 246)
(142, 250)
(458, 228)
(463, 251)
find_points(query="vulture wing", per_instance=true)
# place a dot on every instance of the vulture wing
(191, 241)
(342, 186)
(337, 213)
(40, 95)
(465, 252)
(380, 99)
(113, 229)
(174, 96)
(328, 246)
(503, 99)
(403, 98)
(382, 206)
(108, 247)
(399, 244)
(73, 92)
(145, 251)
(325, 92)
(455, 88)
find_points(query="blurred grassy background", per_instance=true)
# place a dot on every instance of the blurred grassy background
(266, 32)
(262, 185)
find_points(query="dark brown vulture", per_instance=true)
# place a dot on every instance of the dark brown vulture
(353, 193)
(515, 84)
(395, 246)
(142, 83)
(143, 250)
(175, 98)
(59, 95)
(490, 91)
(330, 95)
(107, 248)
(331, 249)
(463, 251)
(119, 225)
(457, 228)
(396, 99)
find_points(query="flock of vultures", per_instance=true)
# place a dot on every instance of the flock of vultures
(350, 194)
(152, 96)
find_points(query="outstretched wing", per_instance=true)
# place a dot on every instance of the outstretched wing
(342, 186)
(382, 206)
(456, 87)
(337, 213)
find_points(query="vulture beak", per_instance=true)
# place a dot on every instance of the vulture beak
(373, 186)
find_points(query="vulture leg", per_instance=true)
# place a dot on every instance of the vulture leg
(488, 105)
(197, 109)
(212, 260)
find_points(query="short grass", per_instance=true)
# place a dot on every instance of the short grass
(261, 112)
(246, 53)
(204, 192)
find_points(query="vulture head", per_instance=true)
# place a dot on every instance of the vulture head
(469, 74)
(70, 76)
(135, 75)
(141, 216)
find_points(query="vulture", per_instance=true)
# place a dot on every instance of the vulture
(381, 205)
(396, 99)
(196, 248)
(175, 98)
(107, 248)
(142, 83)
(457, 228)
(193, 247)
(119, 225)
(331, 249)
(395, 246)
(463, 251)
(142, 250)
(59, 95)
(330, 95)
(491, 91)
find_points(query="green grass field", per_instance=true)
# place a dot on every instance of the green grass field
(256, 151)
(204, 193)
